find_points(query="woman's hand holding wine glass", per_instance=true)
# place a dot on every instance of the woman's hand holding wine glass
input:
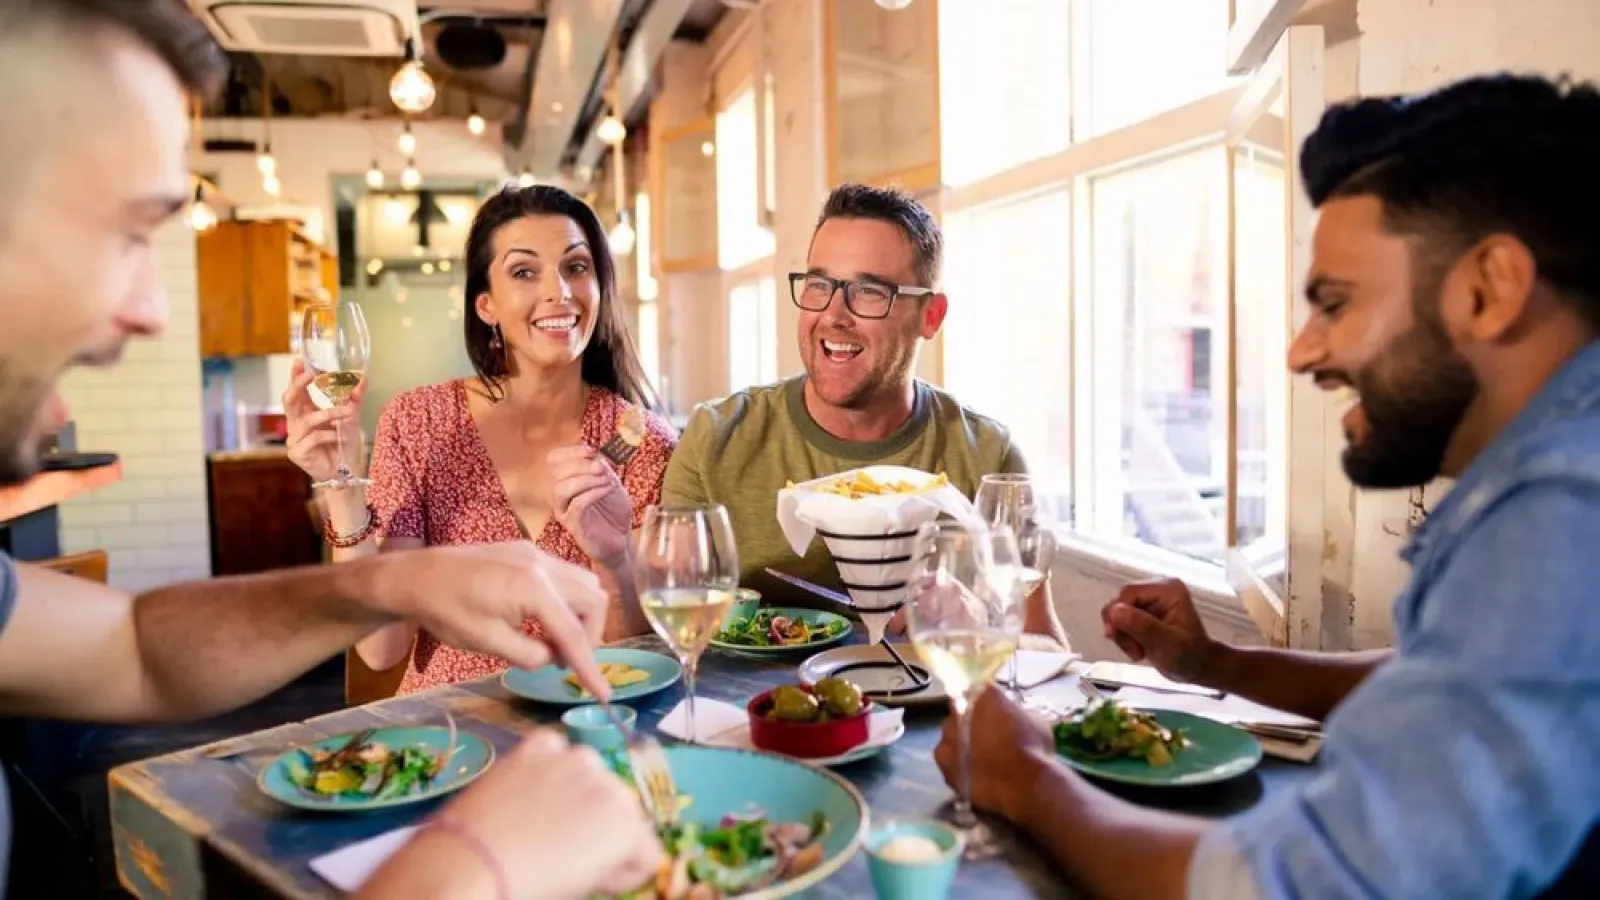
(317, 436)
(336, 347)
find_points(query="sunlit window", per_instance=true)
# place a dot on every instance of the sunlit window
(1144, 57)
(741, 236)
(752, 334)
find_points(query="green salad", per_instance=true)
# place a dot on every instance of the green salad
(1107, 730)
(769, 629)
(741, 853)
(363, 770)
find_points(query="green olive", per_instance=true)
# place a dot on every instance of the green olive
(839, 697)
(790, 704)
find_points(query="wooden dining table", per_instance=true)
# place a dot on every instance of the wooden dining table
(193, 824)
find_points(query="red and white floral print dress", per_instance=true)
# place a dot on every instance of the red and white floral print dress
(432, 479)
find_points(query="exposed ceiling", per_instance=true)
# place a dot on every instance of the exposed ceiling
(535, 69)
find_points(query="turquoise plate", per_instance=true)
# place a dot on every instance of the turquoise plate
(812, 617)
(473, 755)
(1216, 752)
(549, 684)
(719, 781)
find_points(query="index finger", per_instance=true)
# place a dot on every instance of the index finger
(567, 636)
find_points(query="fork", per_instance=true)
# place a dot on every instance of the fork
(652, 777)
(630, 434)
(1088, 689)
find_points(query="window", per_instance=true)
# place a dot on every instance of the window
(1118, 267)
(1145, 57)
(1008, 104)
(752, 334)
(1009, 284)
(741, 236)
(1159, 290)
(650, 343)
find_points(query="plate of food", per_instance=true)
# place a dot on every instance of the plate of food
(1152, 747)
(778, 630)
(753, 826)
(877, 674)
(631, 673)
(376, 768)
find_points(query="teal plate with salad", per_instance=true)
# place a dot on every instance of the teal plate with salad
(755, 825)
(778, 630)
(376, 769)
(1153, 748)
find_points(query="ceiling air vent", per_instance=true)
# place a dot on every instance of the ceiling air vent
(350, 28)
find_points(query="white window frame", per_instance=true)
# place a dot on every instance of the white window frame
(750, 276)
(1294, 70)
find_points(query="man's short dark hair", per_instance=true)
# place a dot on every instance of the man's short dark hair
(860, 201)
(167, 27)
(1507, 154)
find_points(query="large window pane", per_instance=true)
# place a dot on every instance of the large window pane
(1146, 57)
(1157, 308)
(1008, 107)
(886, 120)
(1008, 334)
(1261, 290)
(752, 334)
(741, 238)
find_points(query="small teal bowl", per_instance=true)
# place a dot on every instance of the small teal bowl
(590, 726)
(924, 880)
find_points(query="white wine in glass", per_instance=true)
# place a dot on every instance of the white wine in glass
(336, 347)
(1012, 499)
(686, 570)
(962, 618)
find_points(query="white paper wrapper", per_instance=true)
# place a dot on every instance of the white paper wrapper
(854, 530)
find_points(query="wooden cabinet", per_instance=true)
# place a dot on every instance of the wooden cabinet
(253, 279)
(259, 518)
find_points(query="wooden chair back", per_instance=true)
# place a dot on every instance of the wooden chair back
(94, 565)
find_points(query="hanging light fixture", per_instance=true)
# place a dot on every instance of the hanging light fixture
(412, 88)
(374, 176)
(201, 216)
(266, 163)
(410, 178)
(707, 148)
(271, 185)
(622, 236)
(475, 123)
(526, 179)
(408, 141)
(611, 131)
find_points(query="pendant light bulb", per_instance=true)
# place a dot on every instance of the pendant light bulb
(374, 176)
(611, 130)
(408, 141)
(410, 178)
(475, 124)
(412, 88)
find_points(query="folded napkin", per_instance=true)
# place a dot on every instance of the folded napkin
(1233, 711)
(804, 508)
(349, 867)
(1035, 667)
(720, 724)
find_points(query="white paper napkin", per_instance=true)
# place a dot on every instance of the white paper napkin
(1035, 667)
(720, 724)
(349, 867)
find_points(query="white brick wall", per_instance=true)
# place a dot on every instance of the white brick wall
(154, 522)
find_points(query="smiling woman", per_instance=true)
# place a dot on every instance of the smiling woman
(514, 453)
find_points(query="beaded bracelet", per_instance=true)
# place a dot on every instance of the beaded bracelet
(447, 824)
(345, 542)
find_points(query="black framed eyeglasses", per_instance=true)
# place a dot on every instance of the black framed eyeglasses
(865, 299)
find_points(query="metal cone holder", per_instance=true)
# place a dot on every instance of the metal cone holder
(876, 570)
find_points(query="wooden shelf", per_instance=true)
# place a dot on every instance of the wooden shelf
(50, 488)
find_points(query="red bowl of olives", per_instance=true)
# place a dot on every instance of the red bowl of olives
(810, 722)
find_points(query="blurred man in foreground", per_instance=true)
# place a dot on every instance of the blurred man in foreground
(92, 163)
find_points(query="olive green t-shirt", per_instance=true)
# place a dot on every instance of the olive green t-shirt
(741, 450)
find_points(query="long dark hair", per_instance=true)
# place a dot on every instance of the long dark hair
(610, 360)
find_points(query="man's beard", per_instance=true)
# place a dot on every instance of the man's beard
(20, 402)
(1413, 397)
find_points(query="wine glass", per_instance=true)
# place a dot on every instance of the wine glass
(335, 344)
(1012, 499)
(687, 571)
(964, 621)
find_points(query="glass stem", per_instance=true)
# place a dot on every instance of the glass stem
(963, 810)
(338, 437)
(1016, 679)
(689, 665)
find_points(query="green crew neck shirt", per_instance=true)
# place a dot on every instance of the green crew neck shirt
(741, 450)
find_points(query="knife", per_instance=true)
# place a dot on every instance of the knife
(813, 588)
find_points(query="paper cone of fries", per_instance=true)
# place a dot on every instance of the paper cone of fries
(869, 519)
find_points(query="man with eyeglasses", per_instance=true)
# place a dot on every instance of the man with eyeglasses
(868, 302)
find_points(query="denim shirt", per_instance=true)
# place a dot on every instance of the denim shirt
(1468, 766)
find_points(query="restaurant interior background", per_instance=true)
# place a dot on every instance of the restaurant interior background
(1116, 180)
